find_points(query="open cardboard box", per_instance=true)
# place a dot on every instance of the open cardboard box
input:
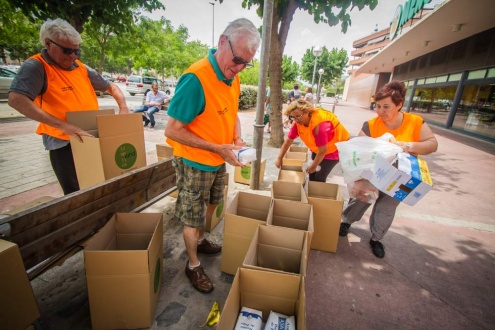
(295, 157)
(123, 263)
(243, 216)
(116, 148)
(164, 151)
(408, 182)
(243, 175)
(292, 191)
(298, 149)
(291, 172)
(278, 249)
(327, 201)
(265, 291)
(18, 307)
(291, 214)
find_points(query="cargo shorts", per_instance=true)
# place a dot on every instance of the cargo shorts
(196, 189)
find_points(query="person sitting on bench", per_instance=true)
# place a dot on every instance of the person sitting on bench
(154, 101)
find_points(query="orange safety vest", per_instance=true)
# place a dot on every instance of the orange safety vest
(65, 91)
(216, 123)
(318, 117)
(408, 131)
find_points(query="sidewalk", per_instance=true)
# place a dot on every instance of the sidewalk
(438, 272)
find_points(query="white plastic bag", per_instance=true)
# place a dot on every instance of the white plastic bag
(359, 153)
(246, 155)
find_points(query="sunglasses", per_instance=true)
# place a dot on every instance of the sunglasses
(297, 117)
(66, 50)
(238, 60)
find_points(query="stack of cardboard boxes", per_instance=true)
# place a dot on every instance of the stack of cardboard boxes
(267, 242)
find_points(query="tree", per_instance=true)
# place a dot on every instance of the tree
(283, 12)
(19, 38)
(333, 63)
(119, 14)
(290, 71)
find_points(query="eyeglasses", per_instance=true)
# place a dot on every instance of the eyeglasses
(238, 60)
(66, 50)
(297, 117)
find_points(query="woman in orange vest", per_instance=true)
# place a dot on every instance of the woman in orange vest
(319, 130)
(412, 134)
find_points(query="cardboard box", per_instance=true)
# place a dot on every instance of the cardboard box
(116, 148)
(292, 191)
(18, 307)
(298, 149)
(296, 157)
(264, 291)
(243, 175)
(327, 201)
(219, 211)
(164, 151)
(278, 249)
(123, 264)
(243, 216)
(291, 172)
(408, 182)
(291, 214)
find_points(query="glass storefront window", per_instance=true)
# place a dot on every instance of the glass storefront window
(442, 79)
(478, 74)
(430, 80)
(455, 77)
(491, 73)
(476, 111)
(433, 104)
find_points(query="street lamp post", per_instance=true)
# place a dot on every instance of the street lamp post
(321, 71)
(316, 52)
(213, 26)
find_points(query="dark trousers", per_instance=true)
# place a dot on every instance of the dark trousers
(63, 166)
(326, 167)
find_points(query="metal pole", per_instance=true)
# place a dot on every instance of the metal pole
(213, 26)
(260, 101)
(314, 71)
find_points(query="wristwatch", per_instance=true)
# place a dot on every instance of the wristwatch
(408, 146)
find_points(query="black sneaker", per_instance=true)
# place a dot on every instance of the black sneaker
(344, 229)
(378, 249)
(152, 125)
(146, 122)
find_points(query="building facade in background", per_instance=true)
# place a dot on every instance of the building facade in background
(446, 59)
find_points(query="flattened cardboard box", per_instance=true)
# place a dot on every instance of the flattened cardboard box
(327, 201)
(243, 216)
(243, 175)
(116, 148)
(408, 182)
(278, 249)
(18, 307)
(265, 291)
(123, 263)
(292, 191)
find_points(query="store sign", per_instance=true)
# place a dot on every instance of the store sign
(405, 13)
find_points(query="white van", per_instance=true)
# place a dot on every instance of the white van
(142, 85)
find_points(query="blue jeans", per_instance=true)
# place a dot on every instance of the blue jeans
(149, 110)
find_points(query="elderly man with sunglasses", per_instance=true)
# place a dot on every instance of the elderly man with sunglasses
(54, 82)
(204, 130)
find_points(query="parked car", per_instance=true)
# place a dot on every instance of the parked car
(121, 79)
(142, 85)
(107, 77)
(6, 77)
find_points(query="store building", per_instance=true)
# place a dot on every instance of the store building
(447, 61)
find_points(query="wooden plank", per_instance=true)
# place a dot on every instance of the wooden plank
(51, 229)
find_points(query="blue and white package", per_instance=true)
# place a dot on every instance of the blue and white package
(246, 155)
(249, 319)
(277, 321)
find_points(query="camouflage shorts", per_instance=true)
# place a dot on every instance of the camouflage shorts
(196, 190)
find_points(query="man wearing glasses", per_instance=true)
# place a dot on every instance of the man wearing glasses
(204, 129)
(54, 82)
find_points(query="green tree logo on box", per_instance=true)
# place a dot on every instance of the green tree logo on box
(246, 172)
(125, 156)
(219, 209)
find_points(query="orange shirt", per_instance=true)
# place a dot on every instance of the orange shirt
(66, 91)
(409, 130)
(317, 117)
(216, 123)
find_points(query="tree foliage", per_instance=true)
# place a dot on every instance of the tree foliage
(332, 62)
(330, 12)
(117, 13)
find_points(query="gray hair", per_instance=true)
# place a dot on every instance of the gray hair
(243, 28)
(59, 29)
